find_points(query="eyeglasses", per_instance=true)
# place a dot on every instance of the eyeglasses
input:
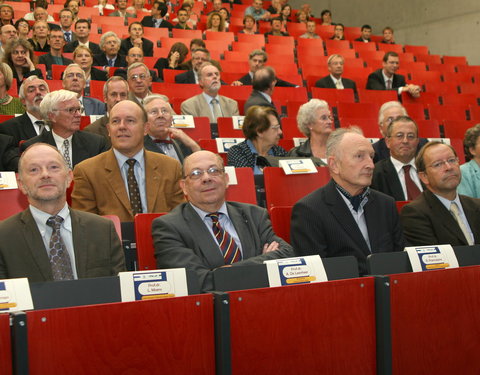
(402, 136)
(74, 75)
(71, 110)
(156, 111)
(212, 172)
(142, 77)
(440, 163)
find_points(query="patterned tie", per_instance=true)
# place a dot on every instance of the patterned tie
(66, 152)
(231, 252)
(133, 190)
(67, 37)
(456, 214)
(389, 84)
(412, 189)
(110, 62)
(217, 112)
(59, 258)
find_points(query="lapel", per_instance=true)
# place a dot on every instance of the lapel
(35, 244)
(205, 107)
(152, 180)
(79, 149)
(241, 225)
(115, 180)
(393, 180)
(472, 212)
(47, 137)
(330, 82)
(79, 233)
(27, 126)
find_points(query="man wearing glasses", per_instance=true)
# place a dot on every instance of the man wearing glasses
(440, 215)
(139, 82)
(208, 232)
(61, 110)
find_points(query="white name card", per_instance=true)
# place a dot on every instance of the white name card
(183, 121)
(435, 257)
(15, 295)
(224, 144)
(8, 180)
(232, 175)
(291, 271)
(238, 122)
(298, 166)
(442, 140)
(144, 285)
(299, 141)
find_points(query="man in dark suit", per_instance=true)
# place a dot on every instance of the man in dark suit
(82, 33)
(366, 33)
(185, 237)
(162, 137)
(66, 22)
(136, 39)
(346, 217)
(8, 154)
(335, 80)
(440, 215)
(56, 41)
(110, 45)
(159, 10)
(30, 124)
(397, 175)
(135, 55)
(62, 109)
(264, 81)
(199, 56)
(387, 79)
(49, 241)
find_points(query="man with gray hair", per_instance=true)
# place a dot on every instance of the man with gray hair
(7, 33)
(209, 103)
(335, 80)
(346, 217)
(264, 82)
(74, 80)
(139, 82)
(61, 109)
(30, 124)
(110, 45)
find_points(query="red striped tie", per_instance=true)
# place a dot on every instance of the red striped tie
(230, 250)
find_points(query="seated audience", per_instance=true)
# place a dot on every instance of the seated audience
(8, 154)
(7, 34)
(182, 20)
(199, 57)
(256, 11)
(6, 14)
(470, 184)
(56, 42)
(62, 244)
(103, 4)
(20, 57)
(39, 12)
(74, 6)
(440, 215)
(275, 7)
(157, 19)
(215, 22)
(189, 236)
(249, 26)
(23, 28)
(110, 45)
(366, 33)
(39, 39)
(137, 6)
(225, 14)
(276, 29)
(335, 80)
(9, 105)
(135, 55)
(263, 84)
(338, 32)
(301, 17)
(315, 120)
(387, 35)
(82, 35)
(310, 34)
(326, 17)
(346, 217)
(136, 39)
(285, 14)
(121, 10)
(176, 56)
(84, 58)
(308, 10)
(139, 82)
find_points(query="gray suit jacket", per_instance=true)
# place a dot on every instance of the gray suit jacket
(197, 106)
(93, 106)
(256, 98)
(97, 248)
(182, 240)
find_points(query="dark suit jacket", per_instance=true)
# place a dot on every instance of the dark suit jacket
(182, 240)
(147, 21)
(70, 47)
(8, 154)
(147, 47)
(185, 77)
(385, 179)
(181, 150)
(383, 152)
(20, 128)
(323, 224)
(97, 248)
(426, 221)
(47, 59)
(99, 127)
(84, 145)
(327, 83)
(98, 75)
(247, 80)
(256, 98)
(376, 81)
(361, 40)
(101, 60)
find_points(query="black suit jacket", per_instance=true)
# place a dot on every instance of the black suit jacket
(147, 21)
(256, 98)
(98, 75)
(327, 83)
(426, 221)
(181, 150)
(20, 128)
(47, 59)
(361, 40)
(8, 154)
(385, 179)
(185, 77)
(376, 81)
(101, 60)
(247, 80)
(323, 224)
(147, 47)
(84, 144)
(70, 47)
(383, 152)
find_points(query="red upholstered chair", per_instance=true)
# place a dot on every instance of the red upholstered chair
(244, 191)
(376, 96)
(143, 235)
(280, 217)
(369, 126)
(226, 130)
(333, 95)
(358, 110)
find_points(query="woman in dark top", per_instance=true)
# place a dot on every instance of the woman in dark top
(21, 59)
(39, 40)
(175, 58)
(338, 32)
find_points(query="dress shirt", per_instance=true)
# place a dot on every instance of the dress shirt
(59, 143)
(41, 218)
(398, 165)
(399, 90)
(335, 80)
(209, 99)
(447, 203)
(225, 223)
(33, 119)
(256, 168)
(167, 148)
(138, 170)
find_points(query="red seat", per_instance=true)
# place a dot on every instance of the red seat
(358, 110)
(201, 130)
(170, 74)
(457, 77)
(435, 59)
(13, 202)
(460, 99)
(244, 191)
(398, 48)
(428, 128)
(338, 45)
(369, 126)
(400, 205)
(441, 88)
(474, 113)
(376, 96)
(415, 110)
(256, 40)
(280, 217)
(446, 112)
(363, 47)
(143, 236)
(420, 78)
(290, 93)
(187, 34)
(456, 128)
(425, 98)
(470, 88)
(416, 50)
(290, 128)
(457, 60)
(226, 130)
(444, 68)
(333, 95)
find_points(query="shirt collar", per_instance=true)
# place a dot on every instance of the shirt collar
(41, 218)
(398, 165)
(203, 214)
(356, 200)
(122, 159)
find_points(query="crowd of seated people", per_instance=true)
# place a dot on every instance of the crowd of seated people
(130, 160)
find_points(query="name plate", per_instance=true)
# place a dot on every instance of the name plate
(299, 141)
(224, 144)
(298, 166)
(238, 122)
(442, 140)
(15, 295)
(435, 257)
(232, 175)
(291, 271)
(8, 180)
(183, 121)
(144, 285)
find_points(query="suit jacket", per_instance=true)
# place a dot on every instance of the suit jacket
(327, 83)
(256, 98)
(101, 60)
(97, 248)
(118, 14)
(99, 187)
(376, 81)
(47, 59)
(20, 128)
(182, 240)
(181, 150)
(361, 40)
(323, 224)
(185, 77)
(98, 75)
(70, 47)
(385, 179)
(99, 127)
(147, 21)
(247, 80)
(8, 154)
(93, 106)
(197, 106)
(470, 184)
(84, 145)
(426, 221)
(383, 152)
(147, 47)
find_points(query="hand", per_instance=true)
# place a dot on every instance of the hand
(29, 63)
(137, 42)
(413, 90)
(173, 60)
(272, 247)
(180, 135)
(237, 83)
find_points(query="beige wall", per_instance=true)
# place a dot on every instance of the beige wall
(446, 27)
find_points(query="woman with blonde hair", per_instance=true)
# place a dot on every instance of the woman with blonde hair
(9, 105)
(39, 39)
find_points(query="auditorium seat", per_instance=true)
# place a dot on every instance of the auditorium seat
(459, 99)
(280, 216)
(226, 130)
(456, 128)
(186, 34)
(398, 48)
(358, 110)
(290, 128)
(446, 112)
(428, 128)
(170, 74)
(143, 236)
(331, 96)
(369, 126)
(457, 60)
(376, 96)
(416, 50)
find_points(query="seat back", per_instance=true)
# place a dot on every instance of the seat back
(143, 235)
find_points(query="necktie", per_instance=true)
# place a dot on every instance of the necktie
(133, 190)
(66, 152)
(110, 62)
(389, 84)
(338, 84)
(412, 189)
(41, 126)
(67, 37)
(231, 252)
(59, 258)
(217, 112)
(456, 214)
(165, 141)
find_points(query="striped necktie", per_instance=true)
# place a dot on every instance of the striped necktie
(230, 250)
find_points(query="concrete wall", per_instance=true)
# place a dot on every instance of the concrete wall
(446, 27)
